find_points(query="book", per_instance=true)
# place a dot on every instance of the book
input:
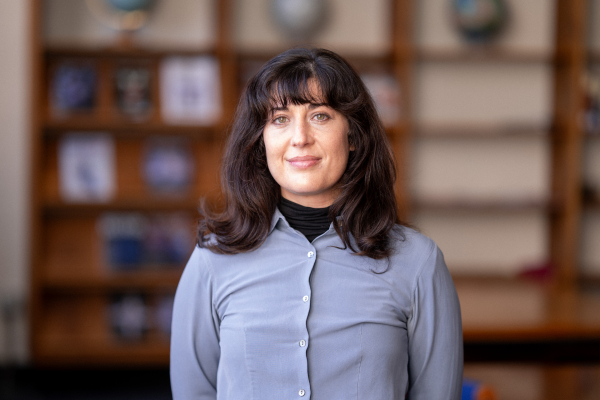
(86, 164)
(135, 241)
(123, 236)
(168, 165)
(190, 90)
(133, 91)
(386, 93)
(73, 87)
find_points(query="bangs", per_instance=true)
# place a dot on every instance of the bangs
(306, 90)
(304, 76)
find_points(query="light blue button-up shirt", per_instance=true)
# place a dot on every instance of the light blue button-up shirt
(300, 320)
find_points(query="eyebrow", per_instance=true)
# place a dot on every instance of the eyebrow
(311, 106)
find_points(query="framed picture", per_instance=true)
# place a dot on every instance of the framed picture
(86, 164)
(190, 90)
(133, 89)
(168, 165)
(385, 90)
(73, 87)
(123, 239)
(129, 316)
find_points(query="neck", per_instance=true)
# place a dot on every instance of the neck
(313, 201)
(311, 222)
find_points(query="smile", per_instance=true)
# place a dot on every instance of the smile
(304, 161)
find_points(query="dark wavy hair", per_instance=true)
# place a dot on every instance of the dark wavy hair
(366, 203)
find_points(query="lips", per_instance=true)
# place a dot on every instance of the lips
(304, 161)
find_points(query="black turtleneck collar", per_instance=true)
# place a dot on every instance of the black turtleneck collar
(311, 222)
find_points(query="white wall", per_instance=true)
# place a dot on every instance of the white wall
(14, 172)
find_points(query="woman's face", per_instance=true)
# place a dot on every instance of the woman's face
(307, 152)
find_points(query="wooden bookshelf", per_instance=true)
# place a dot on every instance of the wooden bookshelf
(71, 283)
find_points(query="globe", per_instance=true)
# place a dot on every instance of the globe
(299, 19)
(480, 20)
(130, 5)
(125, 16)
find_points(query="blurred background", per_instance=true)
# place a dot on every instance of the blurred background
(113, 117)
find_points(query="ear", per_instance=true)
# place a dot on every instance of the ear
(351, 147)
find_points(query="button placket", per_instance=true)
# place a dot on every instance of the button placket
(302, 343)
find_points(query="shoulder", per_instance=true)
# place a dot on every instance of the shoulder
(199, 267)
(414, 254)
(411, 245)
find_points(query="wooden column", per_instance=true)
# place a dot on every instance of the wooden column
(570, 59)
(403, 60)
(35, 209)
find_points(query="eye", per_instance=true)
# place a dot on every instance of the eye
(280, 120)
(321, 117)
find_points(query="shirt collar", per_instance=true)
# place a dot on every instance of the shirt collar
(277, 216)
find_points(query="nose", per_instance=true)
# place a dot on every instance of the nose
(301, 135)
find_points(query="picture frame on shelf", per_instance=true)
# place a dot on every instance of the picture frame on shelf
(122, 237)
(168, 165)
(387, 94)
(133, 91)
(87, 170)
(190, 90)
(73, 87)
(129, 316)
(134, 241)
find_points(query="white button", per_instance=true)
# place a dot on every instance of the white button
(301, 392)
(311, 253)
(302, 343)
(305, 299)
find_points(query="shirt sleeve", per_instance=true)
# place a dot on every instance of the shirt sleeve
(195, 348)
(435, 342)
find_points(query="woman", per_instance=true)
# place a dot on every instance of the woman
(307, 285)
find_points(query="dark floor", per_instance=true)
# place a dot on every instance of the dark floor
(84, 384)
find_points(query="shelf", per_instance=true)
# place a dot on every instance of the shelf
(483, 131)
(55, 127)
(147, 352)
(590, 136)
(593, 205)
(465, 54)
(350, 56)
(484, 54)
(590, 282)
(484, 205)
(594, 56)
(122, 52)
(512, 310)
(165, 279)
(147, 204)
